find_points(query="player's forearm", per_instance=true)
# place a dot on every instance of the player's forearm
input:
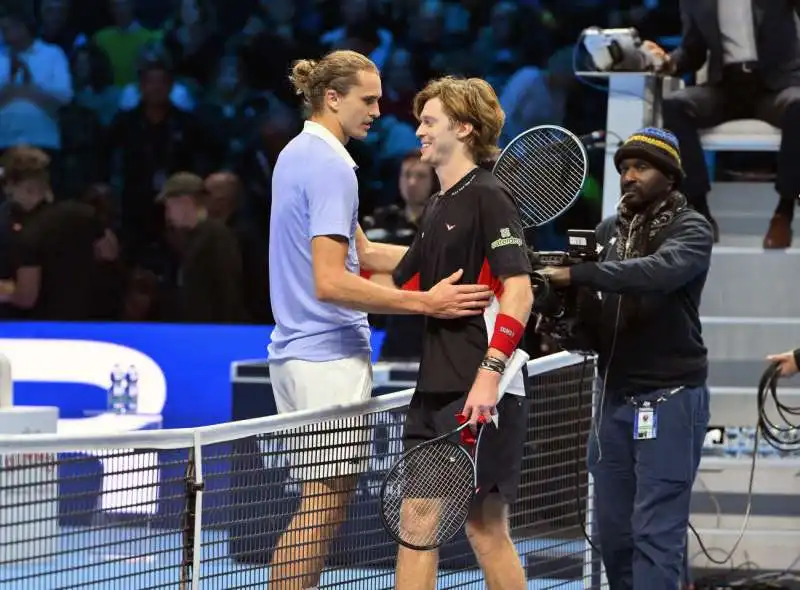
(354, 292)
(384, 258)
(515, 302)
(383, 279)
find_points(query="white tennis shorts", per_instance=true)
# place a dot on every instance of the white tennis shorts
(333, 448)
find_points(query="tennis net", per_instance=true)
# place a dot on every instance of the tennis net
(204, 508)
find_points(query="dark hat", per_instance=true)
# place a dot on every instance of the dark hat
(182, 183)
(657, 146)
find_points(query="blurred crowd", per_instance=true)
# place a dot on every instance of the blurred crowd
(114, 98)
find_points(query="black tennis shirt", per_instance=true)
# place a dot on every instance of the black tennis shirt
(474, 226)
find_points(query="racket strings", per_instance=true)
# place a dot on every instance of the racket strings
(544, 170)
(428, 494)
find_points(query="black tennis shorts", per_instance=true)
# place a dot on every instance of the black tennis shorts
(500, 452)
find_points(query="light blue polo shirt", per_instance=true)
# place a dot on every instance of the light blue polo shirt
(314, 193)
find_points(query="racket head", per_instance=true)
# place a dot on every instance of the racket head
(544, 169)
(427, 495)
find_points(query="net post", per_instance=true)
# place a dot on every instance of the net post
(6, 383)
(598, 573)
(192, 517)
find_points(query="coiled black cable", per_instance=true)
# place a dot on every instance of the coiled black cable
(784, 438)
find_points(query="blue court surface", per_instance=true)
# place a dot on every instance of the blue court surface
(137, 559)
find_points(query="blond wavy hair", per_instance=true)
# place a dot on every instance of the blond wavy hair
(468, 100)
(337, 71)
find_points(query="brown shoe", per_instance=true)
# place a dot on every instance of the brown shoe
(779, 234)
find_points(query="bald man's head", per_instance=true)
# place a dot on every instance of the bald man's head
(224, 191)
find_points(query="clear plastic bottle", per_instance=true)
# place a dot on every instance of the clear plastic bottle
(132, 377)
(117, 391)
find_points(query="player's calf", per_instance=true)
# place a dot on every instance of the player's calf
(300, 555)
(488, 533)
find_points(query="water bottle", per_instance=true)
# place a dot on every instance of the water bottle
(117, 391)
(132, 377)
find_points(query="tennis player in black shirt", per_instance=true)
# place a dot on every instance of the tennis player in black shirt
(473, 225)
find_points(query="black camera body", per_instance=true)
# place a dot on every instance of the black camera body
(560, 311)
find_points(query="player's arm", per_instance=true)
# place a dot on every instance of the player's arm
(376, 257)
(504, 241)
(332, 199)
(505, 250)
(684, 254)
(516, 303)
(335, 284)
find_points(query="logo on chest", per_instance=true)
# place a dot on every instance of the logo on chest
(449, 227)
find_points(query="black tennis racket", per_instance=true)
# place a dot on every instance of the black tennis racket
(544, 169)
(427, 494)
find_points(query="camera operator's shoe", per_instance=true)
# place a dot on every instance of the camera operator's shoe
(779, 234)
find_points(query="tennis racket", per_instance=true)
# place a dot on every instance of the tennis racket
(544, 169)
(427, 494)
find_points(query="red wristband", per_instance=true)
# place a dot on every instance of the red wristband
(507, 334)
(365, 274)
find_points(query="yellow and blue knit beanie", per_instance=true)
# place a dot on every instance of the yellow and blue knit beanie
(657, 146)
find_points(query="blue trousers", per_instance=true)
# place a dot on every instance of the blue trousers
(643, 487)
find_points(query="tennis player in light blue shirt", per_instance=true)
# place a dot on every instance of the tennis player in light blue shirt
(319, 355)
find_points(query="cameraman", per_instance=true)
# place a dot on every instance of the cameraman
(644, 449)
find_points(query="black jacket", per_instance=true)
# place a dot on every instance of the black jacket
(777, 41)
(662, 346)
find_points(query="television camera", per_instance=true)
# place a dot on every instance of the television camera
(566, 314)
(620, 50)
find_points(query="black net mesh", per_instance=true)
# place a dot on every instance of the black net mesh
(126, 518)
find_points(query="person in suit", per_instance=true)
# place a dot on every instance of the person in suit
(753, 54)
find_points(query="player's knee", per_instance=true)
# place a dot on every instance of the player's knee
(331, 492)
(487, 525)
(419, 515)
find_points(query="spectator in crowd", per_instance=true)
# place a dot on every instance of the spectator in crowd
(53, 247)
(255, 166)
(149, 143)
(232, 110)
(270, 41)
(109, 274)
(192, 41)
(152, 89)
(34, 83)
(399, 86)
(210, 284)
(93, 82)
(537, 96)
(754, 71)
(498, 50)
(55, 26)
(141, 300)
(360, 32)
(395, 225)
(124, 40)
(225, 199)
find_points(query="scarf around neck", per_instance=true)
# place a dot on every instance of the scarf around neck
(637, 230)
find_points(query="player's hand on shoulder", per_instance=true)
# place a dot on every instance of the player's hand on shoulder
(447, 300)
